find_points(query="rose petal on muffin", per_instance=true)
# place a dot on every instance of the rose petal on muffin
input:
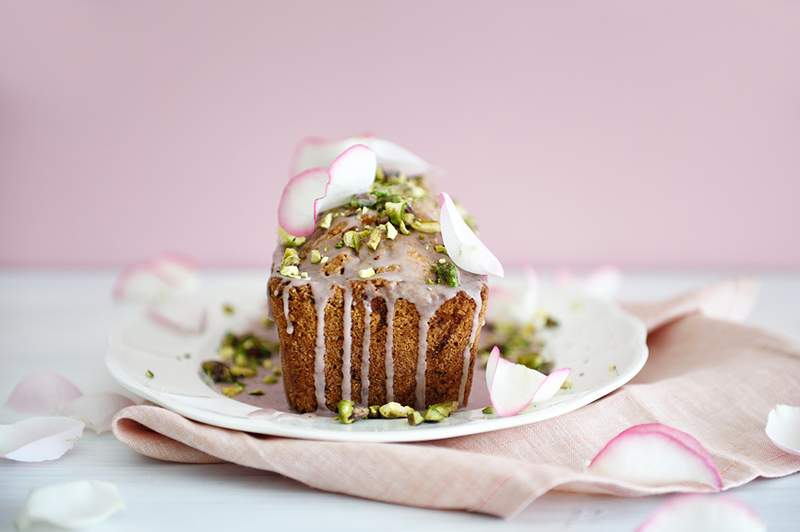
(155, 279)
(653, 454)
(514, 299)
(72, 505)
(318, 189)
(96, 410)
(783, 428)
(38, 439)
(315, 152)
(702, 513)
(463, 246)
(181, 317)
(44, 392)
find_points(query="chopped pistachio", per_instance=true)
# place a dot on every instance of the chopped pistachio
(374, 238)
(324, 260)
(226, 352)
(266, 363)
(149, 374)
(339, 244)
(374, 411)
(360, 412)
(446, 274)
(379, 175)
(290, 271)
(290, 257)
(394, 410)
(415, 418)
(352, 239)
(395, 211)
(445, 408)
(304, 275)
(270, 379)
(391, 232)
(256, 392)
(277, 372)
(432, 415)
(489, 410)
(366, 273)
(315, 256)
(439, 248)
(228, 309)
(217, 371)
(442, 261)
(417, 192)
(290, 240)
(326, 220)
(243, 371)
(551, 322)
(345, 411)
(425, 226)
(567, 385)
(530, 360)
(612, 368)
(233, 390)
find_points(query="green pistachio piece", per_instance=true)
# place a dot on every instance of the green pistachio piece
(277, 372)
(374, 411)
(394, 410)
(445, 408)
(226, 352)
(366, 273)
(489, 410)
(270, 379)
(149, 374)
(266, 363)
(551, 322)
(375, 238)
(290, 271)
(290, 257)
(228, 309)
(417, 192)
(439, 248)
(256, 392)
(315, 256)
(339, 244)
(379, 174)
(446, 273)
(290, 240)
(324, 261)
(233, 390)
(530, 360)
(345, 411)
(432, 415)
(242, 371)
(326, 220)
(391, 232)
(426, 226)
(395, 212)
(217, 371)
(352, 239)
(360, 412)
(415, 418)
(567, 384)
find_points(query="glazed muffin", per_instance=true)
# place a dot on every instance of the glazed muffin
(371, 308)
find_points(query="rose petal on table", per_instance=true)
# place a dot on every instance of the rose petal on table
(514, 298)
(156, 279)
(703, 513)
(38, 439)
(463, 246)
(654, 454)
(318, 189)
(315, 152)
(182, 317)
(96, 410)
(783, 428)
(73, 505)
(44, 392)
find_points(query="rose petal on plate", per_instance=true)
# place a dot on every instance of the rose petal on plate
(491, 366)
(703, 513)
(180, 317)
(514, 299)
(653, 454)
(38, 439)
(463, 246)
(513, 387)
(783, 428)
(318, 189)
(155, 279)
(73, 505)
(97, 410)
(44, 392)
(551, 384)
(319, 153)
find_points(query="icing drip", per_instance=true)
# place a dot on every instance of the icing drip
(347, 355)
(390, 300)
(319, 350)
(468, 349)
(422, 355)
(289, 325)
(365, 353)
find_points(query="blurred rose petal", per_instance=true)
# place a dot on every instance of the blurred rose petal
(602, 283)
(96, 410)
(72, 505)
(39, 438)
(783, 428)
(703, 513)
(42, 393)
(514, 298)
(156, 279)
(180, 317)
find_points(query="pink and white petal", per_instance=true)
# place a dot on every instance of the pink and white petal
(155, 279)
(71, 505)
(703, 513)
(513, 387)
(551, 385)
(38, 439)
(180, 317)
(317, 152)
(297, 212)
(352, 172)
(783, 428)
(514, 299)
(44, 392)
(97, 410)
(656, 455)
(463, 246)
(603, 283)
(491, 366)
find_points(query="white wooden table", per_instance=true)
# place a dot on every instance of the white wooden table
(60, 320)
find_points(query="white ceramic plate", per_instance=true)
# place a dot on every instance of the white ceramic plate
(604, 346)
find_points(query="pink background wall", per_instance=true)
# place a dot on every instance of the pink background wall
(577, 134)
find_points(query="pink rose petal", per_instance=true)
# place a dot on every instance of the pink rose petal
(653, 454)
(319, 189)
(514, 299)
(703, 513)
(155, 279)
(180, 317)
(319, 153)
(463, 246)
(38, 439)
(97, 410)
(42, 393)
(71, 505)
(551, 384)
(783, 428)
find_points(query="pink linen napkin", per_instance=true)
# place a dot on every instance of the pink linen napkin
(706, 375)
